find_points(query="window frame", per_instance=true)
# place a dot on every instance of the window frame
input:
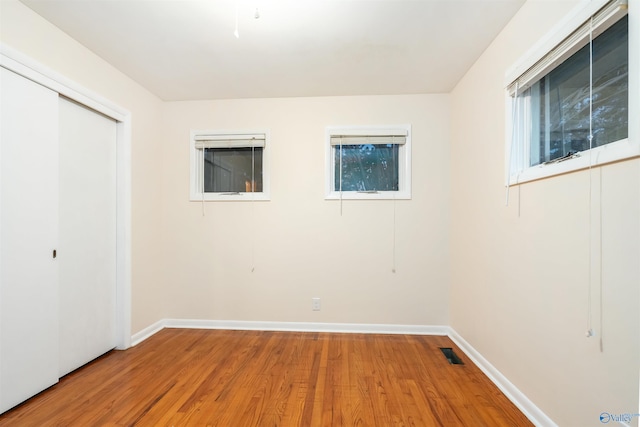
(195, 170)
(517, 152)
(404, 162)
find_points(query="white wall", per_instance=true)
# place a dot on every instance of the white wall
(25, 31)
(520, 274)
(303, 247)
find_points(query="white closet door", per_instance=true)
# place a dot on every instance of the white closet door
(28, 236)
(87, 248)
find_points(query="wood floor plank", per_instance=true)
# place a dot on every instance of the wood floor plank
(187, 377)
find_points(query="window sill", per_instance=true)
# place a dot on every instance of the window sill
(610, 153)
(230, 197)
(380, 195)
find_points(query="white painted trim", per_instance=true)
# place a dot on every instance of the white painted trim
(568, 24)
(625, 149)
(404, 173)
(240, 325)
(306, 327)
(634, 73)
(528, 408)
(195, 195)
(29, 68)
(123, 233)
(147, 332)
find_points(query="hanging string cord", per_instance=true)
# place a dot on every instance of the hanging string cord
(340, 176)
(393, 252)
(202, 178)
(236, 32)
(590, 89)
(515, 126)
(601, 335)
(393, 260)
(253, 205)
(589, 332)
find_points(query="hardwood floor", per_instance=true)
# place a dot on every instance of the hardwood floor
(188, 377)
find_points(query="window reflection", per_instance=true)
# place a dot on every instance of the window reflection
(233, 170)
(560, 101)
(366, 167)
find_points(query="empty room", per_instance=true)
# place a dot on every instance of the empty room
(320, 212)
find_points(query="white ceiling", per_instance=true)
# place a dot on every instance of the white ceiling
(186, 49)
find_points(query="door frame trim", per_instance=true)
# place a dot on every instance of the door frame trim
(29, 68)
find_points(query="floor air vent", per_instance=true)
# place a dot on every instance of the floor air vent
(451, 356)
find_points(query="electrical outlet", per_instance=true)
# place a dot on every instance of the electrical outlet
(315, 304)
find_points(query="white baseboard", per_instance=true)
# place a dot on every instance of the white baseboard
(528, 408)
(306, 327)
(142, 335)
(138, 337)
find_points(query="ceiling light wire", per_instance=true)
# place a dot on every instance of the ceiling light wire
(236, 32)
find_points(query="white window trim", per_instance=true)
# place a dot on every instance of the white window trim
(404, 173)
(195, 193)
(616, 151)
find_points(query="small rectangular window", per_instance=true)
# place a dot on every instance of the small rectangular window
(228, 166)
(560, 107)
(232, 169)
(573, 101)
(368, 163)
(366, 167)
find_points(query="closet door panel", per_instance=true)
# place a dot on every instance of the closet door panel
(28, 236)
(87, 249)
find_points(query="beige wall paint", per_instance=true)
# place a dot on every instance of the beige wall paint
(302, 247)
(27, 32)
(520, 274)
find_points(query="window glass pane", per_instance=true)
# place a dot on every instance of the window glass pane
(559, 102)
(367, 167)
(230, 169)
